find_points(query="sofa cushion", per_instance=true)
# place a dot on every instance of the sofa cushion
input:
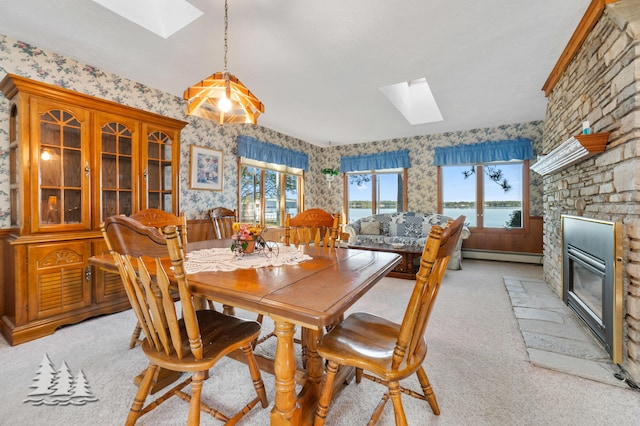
(407, 225)
(370, 228)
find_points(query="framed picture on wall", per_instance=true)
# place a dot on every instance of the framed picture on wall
(206, 168)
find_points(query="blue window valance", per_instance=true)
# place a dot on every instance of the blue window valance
(485, 152)
(380, 161)
(254, 149)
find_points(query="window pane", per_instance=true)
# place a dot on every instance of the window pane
(459, 192)
(360, 196)
(503, 195)
(390, 193)
(272, 191)
(250, 194)
(262, 196)
(291, 195)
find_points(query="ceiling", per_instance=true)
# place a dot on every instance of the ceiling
(317, 66)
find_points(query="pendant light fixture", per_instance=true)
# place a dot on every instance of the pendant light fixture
(222, 97)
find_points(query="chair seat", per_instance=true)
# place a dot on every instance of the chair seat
(221, 335)
(367, 341)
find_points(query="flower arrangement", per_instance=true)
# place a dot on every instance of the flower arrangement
(244, 237)
(246, 231)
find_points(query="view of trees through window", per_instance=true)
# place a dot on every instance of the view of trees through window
(496, 201)
(266, 194)
(372, 193)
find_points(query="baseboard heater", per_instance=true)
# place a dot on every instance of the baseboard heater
(504, 256)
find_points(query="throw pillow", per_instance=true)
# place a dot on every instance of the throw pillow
(411, 226)
(370, 228)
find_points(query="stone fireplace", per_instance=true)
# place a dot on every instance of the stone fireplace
(600, 84)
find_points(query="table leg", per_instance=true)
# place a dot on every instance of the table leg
(286, 410)
(308, 396)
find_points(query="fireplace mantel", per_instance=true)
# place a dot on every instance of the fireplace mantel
(575, 149)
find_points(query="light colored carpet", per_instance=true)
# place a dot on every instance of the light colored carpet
(477, 364)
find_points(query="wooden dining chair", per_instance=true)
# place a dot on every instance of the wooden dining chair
(384, 351)
(309, 227)
(193, 343)
(159, 219)
(313, 226)
(222, 220)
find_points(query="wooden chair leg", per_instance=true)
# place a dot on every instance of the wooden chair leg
(135, 337)
(228, 310)
(196, 392)
(303, 346)
(141, 395)
(428, 391)
(325, 394)
(378, 410)
(212, 307)
(254, 370)
(398, 409)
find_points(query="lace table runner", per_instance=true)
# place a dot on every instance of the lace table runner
(223, 259)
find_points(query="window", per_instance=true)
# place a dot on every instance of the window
(491, 195)
(268, 192)
(381, 191)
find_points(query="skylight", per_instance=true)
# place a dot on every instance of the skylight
(414, 100)
(162, 17)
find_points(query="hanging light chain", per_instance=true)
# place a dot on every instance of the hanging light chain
(226, 26)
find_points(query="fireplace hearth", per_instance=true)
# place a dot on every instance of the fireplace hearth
(592, 277)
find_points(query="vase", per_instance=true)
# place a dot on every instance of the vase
(251, 245)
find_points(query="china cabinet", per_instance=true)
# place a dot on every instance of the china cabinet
(73, 161)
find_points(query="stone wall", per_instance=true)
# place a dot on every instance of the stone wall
(601, 85)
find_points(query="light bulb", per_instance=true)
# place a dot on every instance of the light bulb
(224, 104)
(45, 155)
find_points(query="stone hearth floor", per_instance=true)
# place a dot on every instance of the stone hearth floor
(554, 336)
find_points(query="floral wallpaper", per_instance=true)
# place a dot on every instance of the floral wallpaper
(23, 59)
(422, 179)
(26, 60)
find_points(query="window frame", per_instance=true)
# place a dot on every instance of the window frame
(374, 189)
(480, 199)
(283, 171)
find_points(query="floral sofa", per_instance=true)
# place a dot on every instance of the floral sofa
(409, 228)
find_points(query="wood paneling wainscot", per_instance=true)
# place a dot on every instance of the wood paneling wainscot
(517, 241)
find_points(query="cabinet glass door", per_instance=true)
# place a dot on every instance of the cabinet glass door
(159, 173)
(63, 171)
(14, 169)
(117, 192)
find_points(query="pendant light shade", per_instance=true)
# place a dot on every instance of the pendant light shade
(221, 97)
(204, 100)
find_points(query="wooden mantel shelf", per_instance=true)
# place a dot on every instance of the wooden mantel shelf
(575, 149)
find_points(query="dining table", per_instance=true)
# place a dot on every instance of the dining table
(313, 293)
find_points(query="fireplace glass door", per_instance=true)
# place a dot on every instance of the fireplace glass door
(592, 280)
(586, 285)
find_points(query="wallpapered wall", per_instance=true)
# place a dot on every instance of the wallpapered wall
(29, 61)
(422, 180)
